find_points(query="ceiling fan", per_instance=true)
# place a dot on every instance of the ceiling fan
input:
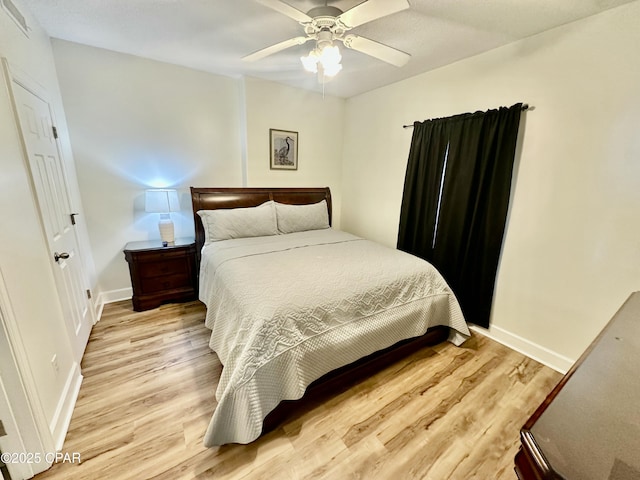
(326, 25)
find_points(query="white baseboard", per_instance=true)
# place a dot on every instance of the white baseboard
(532, 350)
(98, 307)
(62, 416)
(111, 296)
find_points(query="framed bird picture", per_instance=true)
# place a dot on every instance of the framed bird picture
(284, 149)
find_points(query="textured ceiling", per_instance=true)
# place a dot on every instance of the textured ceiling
(213, 35)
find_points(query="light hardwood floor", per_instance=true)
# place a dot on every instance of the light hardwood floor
(445, 412)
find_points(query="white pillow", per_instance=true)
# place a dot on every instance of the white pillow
(227, 223)
(300, 218)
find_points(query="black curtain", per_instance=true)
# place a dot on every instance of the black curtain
(455, 200)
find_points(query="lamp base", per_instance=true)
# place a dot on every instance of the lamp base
(166, 230)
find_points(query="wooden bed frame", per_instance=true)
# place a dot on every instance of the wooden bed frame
(344, 377)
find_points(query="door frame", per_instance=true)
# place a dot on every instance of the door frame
(24, 400)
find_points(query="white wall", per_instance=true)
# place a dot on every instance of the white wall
(572, 251)
(25, 263)
(137, 124)
(319, 123)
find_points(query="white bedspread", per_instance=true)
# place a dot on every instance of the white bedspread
(286, 309)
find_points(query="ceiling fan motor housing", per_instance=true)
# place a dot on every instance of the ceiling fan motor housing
(324, 19)
(325, 11)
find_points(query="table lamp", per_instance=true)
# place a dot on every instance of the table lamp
(163, 201)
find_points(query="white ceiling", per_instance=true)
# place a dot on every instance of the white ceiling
(213, 35)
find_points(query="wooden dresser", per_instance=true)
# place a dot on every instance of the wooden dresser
(162, 274)
(588, 428)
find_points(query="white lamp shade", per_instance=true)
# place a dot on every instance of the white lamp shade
(161, 201)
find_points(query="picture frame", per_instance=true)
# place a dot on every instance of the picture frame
(283, 146)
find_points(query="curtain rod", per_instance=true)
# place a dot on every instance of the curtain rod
(525, 106)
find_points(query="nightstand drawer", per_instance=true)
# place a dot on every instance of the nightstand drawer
(166, 282)
(172, 266)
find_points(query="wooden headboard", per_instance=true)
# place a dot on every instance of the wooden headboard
(214, 198)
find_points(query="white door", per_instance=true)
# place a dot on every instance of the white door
(47, 172)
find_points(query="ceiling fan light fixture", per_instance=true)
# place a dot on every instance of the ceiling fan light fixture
(331, 70)
(328, 57)
(310, 62)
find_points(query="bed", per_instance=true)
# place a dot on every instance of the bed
(296, 307)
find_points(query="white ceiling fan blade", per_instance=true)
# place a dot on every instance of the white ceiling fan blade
(371, 10)
(265, 52)
(377, 50)
(286, 9)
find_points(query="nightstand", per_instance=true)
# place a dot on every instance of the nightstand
(162, 274)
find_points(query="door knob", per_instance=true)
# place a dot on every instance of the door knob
(57, 256)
